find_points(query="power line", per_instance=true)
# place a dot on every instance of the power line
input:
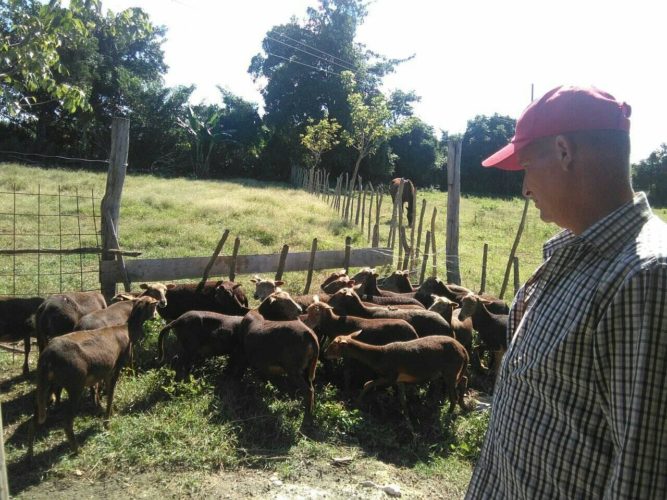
(304, 64)
(351, 66)
(319, 58)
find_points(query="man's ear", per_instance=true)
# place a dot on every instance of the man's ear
(565, 151)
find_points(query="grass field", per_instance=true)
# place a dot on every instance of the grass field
(211, 435)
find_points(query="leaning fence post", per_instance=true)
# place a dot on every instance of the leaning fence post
(517, 239)
(281, 262)
(110, 206)
(235, 253)
(419, 230)
(311, 263)
(212, 260)
(517, 281)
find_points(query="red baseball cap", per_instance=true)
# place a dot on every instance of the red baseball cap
(563, 109)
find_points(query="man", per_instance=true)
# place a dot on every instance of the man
(580, 407)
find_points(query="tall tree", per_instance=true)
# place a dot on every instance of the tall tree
(484, 135)
(369, 122)
(302, 63)
(415, 147)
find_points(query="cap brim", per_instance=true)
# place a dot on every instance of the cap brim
(504, 159)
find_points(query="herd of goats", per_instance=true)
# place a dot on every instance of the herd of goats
(392, 334)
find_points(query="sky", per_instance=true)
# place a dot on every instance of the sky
(471, 57)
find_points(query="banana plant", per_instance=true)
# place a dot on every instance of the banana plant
(205, 132)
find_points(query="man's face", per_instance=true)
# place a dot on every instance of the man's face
(545, 181)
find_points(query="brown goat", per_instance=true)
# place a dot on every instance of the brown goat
(204, 334)
(16, 322)
(224, 297)
(59, 313)
(328, 325)
(281, 347)
(398, 281)
(492, 328)
(424, 322)
(414, 361)
(83, 359)
(462, 328)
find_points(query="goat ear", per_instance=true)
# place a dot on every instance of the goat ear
(254, 280)
(375, 275)
(279, 283)
(236, 286)
(170, 286)
(351, 283)
(143, 286)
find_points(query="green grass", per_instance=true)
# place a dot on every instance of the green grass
(211, 422)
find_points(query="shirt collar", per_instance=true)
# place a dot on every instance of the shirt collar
(610, 234)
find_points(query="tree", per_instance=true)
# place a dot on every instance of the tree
(301, 63)
(484, 135)
(31, 34)
(415, 147)
(238, 151)
(320, 137)
(204, 132)
(369, 122)
(650, 175)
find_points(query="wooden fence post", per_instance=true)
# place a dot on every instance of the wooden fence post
(425, 256)
(482, 287)
(4, 485)
(434, 249)
(311, 263)
(110, 206)
(515, 245)
(211, 261)
(281, 262)
(419, 230)
(517, 280)
(235, 253)
(348, 248)
(453, 202)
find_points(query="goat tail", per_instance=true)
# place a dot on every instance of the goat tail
(160, 341)
(43, 391)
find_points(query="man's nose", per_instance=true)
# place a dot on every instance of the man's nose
(524, 188)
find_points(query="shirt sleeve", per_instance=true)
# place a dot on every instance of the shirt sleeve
(630, 347)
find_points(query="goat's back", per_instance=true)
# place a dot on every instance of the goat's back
(15, 313)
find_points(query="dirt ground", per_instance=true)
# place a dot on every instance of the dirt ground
(365, 478)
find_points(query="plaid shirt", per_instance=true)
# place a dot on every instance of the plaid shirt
(580, 408)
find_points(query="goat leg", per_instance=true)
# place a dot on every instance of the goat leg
(74, 399)
(26, 350)
(404, 410)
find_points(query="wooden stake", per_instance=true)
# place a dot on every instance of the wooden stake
(482, 287)
(281, 262)
(211, 261)
(427, 244)
(235, 253)
(515, 245)
(311, 263)
(348, 248)
(434, 249)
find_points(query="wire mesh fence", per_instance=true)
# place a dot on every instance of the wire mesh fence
(49, 242)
